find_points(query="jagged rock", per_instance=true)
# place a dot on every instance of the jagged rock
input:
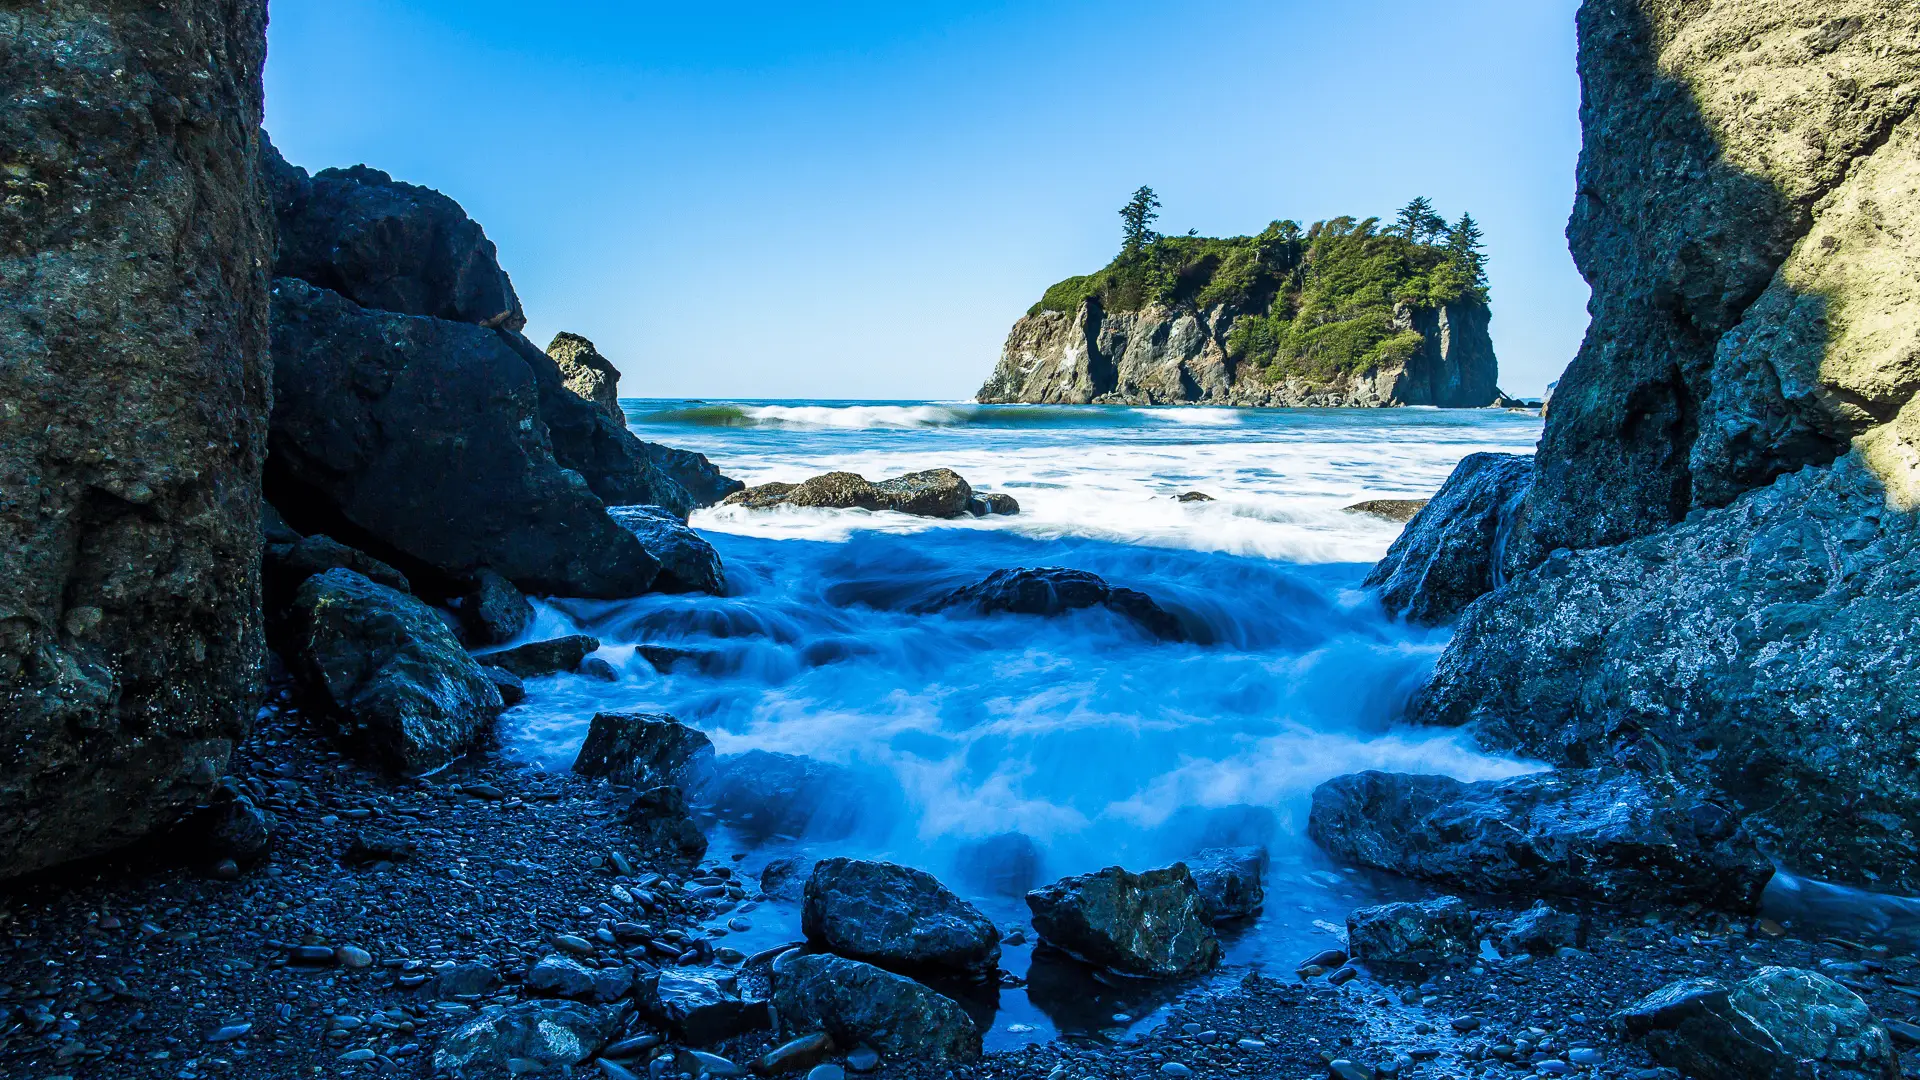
(897, 917)
(687, 562)
(1450, 554)
(1395, 510)
(1429, 932)
(940, 493)
(1614, 836)
(228, 826)
(400, 689)
(700, 1007)
(1541, 931)
(991, 503)
(133, 396)
(765, 793)
(565, 977)
(663, 822)
(512, 690)
(644, 750)
(537, 658)
(1231, 881)
(544, 1034)
(1781, 1024)
(492, 611)
(857, 1003)
(419, 440)
(289, 559)
(1152, 925)
(466, 981)
(785, 879)
(1054, 590)
(590, 376)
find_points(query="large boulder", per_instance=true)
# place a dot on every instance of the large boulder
(1232, 881)
(859, 1003)
(590, 376)
(383, 665)
(940, 493)
(1054, 590)
(644, 749)
(687, 562)
(896, 917)
(1781, 1024)
(1613, 836)
(419, 440)
(1429, 932)
(1153, 925)
(546, 1035)
(133, 396)
(701, 1007)
(1450, 554)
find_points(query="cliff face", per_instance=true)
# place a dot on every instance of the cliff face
(1180, 356)
(134, 249)
(1734, 457)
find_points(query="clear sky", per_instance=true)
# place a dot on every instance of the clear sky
(759, 199)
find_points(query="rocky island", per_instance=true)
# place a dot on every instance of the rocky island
(1343, 313)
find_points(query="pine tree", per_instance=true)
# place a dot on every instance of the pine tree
(1137, 219)
(1465, 244)
(1417, 222)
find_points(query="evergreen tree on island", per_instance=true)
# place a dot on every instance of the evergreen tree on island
(1417, 222)
(1137, 219)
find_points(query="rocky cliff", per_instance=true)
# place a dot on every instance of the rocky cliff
(134, 250)
(1162, 355)
(1717, 568)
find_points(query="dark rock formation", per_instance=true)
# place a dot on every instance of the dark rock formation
(548, 1035)
(1232, 881)
(402, 691)
(289, 559)
(940, 493)
(491, 610)
(663, 822)
(687, 562)
(589, 375)
(1054, 590)
(1450, 553)
(1430, 932)
(1612, 836)
(644, 749)
(896, 917)
(858, 1003)
(1781, 1024)
(134, 241)
(1540, 931)
(700, 1007)
(565, 977)
(537, 658)
(1153, 925)
(1178, 356)
(419, 440)
(992, 504)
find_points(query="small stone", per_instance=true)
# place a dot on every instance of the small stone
(311, 954)
(615, 1071)
(1342, 1069)
(574, 944)
(828, 1071)
(863, 1059)
(1344, 975)
(226, 870)
(1585, 1056)
(353, 1057)
(229, 1033)
(1553, 1067)
(715, 1065)
(1174, 1068)
(1466, 1024)
(1904, 1033)
(795, 1054)
(1251, 1044)
(352, 956)
(739, 926)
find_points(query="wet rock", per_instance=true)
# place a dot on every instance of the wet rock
(228, 826)
(1005, 864)
(897, 917)
(492, 611)
(1056, 590)
(1541, 931)
(588, 375)
(1152, 925)
(286, 565)
(537, 658)
(401, 691)
(785, 879)
(467, 981)
(1399, 511)
(1231, 881)
(1428, 932)
(1193, 497)
(132, 399)
(687, 562)
(700, 1007)
(561, 976)
(856, 1003)
(368, 848)
(1781, 1024)
(1450, 554)
(644, 750)
(662, 822)
(1613, 836)
(990, 503)
(546, 1034)
(512, 690)
(940, 493)
(765, 793)
(794, 1055)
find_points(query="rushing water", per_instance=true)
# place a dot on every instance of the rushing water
(1098, 744)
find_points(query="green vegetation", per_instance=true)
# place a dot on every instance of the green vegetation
(1315, 302)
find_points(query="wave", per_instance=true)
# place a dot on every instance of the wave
(868, 417)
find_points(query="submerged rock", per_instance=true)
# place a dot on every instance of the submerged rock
(401, 690)
(1231, 881)
(785, 879)
(590, 376)
(1429, 932)
(940, 493)
(687, 562)
(544, 1034)
(1450, 554)
(1399, 511)
(897, 917)
(857, 1003)
(1613, 836)
(1054, 590)
(1781, 1024)
(991, 503)
(537, 658)
(643, 750)
(1153, 925)
(701, 1007)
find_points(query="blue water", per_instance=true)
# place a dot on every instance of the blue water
(1098, 744)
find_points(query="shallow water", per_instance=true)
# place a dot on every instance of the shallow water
(1099, 744)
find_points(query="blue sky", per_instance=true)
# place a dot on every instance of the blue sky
(858, 199)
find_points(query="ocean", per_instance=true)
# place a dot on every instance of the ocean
(1095, 744)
